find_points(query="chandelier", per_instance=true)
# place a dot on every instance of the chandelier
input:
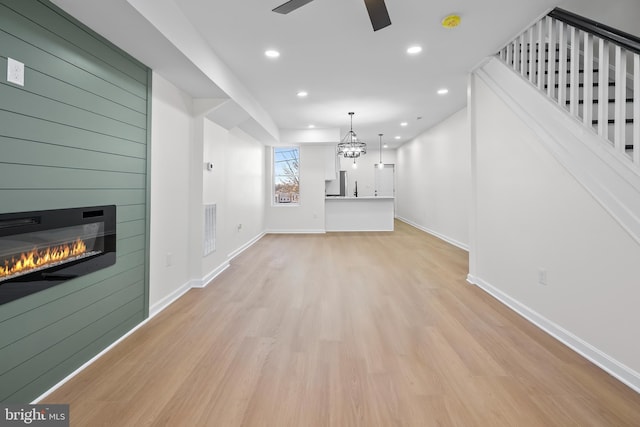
(350, 147)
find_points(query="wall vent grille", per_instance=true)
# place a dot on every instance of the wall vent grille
(209, 241)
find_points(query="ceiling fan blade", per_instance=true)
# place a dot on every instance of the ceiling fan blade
(378, 14)
(290, 6)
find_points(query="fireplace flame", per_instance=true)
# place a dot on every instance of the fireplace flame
(38, 258)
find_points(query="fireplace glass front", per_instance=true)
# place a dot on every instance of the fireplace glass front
(42, 249)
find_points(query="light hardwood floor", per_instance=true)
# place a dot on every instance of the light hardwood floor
(361, 329)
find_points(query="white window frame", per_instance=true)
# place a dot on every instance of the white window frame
(293, 203)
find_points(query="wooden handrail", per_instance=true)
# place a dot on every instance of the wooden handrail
(621, 38)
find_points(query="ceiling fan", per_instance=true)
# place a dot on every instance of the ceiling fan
(377, 11)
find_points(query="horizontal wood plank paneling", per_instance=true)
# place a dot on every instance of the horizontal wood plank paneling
(47, 39)
(131, 212)
(26, 103)
(58, 25)
(132, 228)
(56, 354)
(31, 200)
(65, 317)
(76, 134)
(28, 153)
(24, 177)
(29, 128)
(53, 88)
(74, 361)
(131, 245)
(45, 63)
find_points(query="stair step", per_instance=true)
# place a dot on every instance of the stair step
(612, 121)
(595, 101)
(610, 132)
(556, 72)
(581, 85)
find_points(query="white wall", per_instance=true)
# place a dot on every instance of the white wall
(365, 172)
(532, 214)
(180, 185)
(308, 215)
(236, 187)
(621, 14)
(433, 180)
(245, 189)
(171, 143)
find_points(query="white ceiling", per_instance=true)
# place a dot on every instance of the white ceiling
(328, 49)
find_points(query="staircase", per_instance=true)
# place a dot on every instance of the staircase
(590, 70)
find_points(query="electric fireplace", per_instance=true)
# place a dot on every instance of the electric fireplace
(42, 249)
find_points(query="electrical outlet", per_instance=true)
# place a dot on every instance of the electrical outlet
(169, 259)
(239, 227)
(15, 72)
(542, 276)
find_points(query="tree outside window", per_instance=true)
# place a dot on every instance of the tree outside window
(286, 175)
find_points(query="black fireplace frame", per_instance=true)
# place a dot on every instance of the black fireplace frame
(32, 222)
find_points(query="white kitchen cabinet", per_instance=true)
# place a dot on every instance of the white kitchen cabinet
(331, 163)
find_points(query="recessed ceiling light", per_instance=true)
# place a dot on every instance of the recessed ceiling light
(312, 126)
(385, 146)
(404, 124)
(272, 53)
(302, 94)
(397, 137)
(443, 91)
(414, 50)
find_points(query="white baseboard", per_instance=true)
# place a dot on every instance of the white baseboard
(203, 282)
(168, 300)
(311, 231)
(246, 246)
(435, 233)
(616, 369)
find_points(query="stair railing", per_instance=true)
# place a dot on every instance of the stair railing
(591, 70)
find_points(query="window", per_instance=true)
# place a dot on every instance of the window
(286, 175)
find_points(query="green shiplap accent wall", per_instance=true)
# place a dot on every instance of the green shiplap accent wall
(77, 134)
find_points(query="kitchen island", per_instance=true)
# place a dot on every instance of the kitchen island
(359, 213)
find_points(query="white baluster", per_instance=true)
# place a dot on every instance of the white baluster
(523, 55)
(532, 49)
(541, 55)
(620, 104)
(636, 109)
(574, 84)
(562, 65)
(587, 97)
(551, 64)
(510, 48)
(603, 88)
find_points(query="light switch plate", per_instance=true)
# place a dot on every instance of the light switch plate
(15, 72)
